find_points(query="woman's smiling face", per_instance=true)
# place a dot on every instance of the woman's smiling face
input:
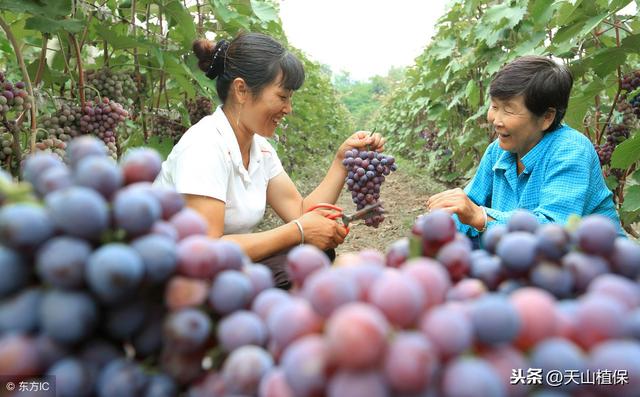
(518, 130)
(263, 113)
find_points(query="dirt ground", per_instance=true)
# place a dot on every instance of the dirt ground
(403, 201)
(404, 198)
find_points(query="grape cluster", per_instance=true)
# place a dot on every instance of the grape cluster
(52, 145)
(366, 171)
(626, 112)
(631, 81)
(615, 134)
(431, 139)
(604, 152)
(117, 85)
(635, 104)
(64, 124)
(6, 143)
(102, 275)
(113, 287)
(101, 118)
(199, 108)
(165, 126)
(13, 97)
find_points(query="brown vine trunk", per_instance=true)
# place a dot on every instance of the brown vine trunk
(76, 48)
(42, 60)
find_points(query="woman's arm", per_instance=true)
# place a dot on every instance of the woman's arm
(319, 231)
(256, 245)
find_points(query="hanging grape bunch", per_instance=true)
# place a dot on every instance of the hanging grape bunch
(630, 83)
(13, 97)
(100, 118)
(615, 133)
(117, 85)
(366, 170)
(166, 127)
(199, 108)
(6, 142)
(431, 139)
(64, 124)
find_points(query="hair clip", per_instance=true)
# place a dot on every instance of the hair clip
(212, 73)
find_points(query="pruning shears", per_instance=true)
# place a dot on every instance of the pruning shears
(346, 219)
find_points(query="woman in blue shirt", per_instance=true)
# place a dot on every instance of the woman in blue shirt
(537, 163)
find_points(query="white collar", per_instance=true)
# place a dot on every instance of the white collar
(255, 155)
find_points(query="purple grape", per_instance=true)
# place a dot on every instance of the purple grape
(494, 319)
(15, 271)
(36, 164)
(187, 330)
(523, 221)
(82, 147)
(557, 280)
(121, 378)
(52, 179)
(596, 235)
(68, 317)
(122, 322)
(24, 226)
(244, 368)
(625, 257)
(99, 173)
(241, 328)
(73, 378)
(159, 255)
(305, 363)
(480, 379)
(135, 211)
(79, 212)
(518, 251)
(140, 165)
(492, 237)
(114, 272)
(61, 261)
(553, 241)
(231, 291)
(20, 312)
(616, 355)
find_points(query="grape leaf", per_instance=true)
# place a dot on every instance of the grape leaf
(632, 199)
(626, 153)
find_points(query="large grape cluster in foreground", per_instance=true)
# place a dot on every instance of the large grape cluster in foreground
(366, 171)
(112, 286)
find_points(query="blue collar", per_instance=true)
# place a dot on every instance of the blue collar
(533, 157)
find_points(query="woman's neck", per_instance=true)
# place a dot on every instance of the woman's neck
(243, 135)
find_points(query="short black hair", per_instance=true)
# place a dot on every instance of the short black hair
(543, 83)
(256, 58)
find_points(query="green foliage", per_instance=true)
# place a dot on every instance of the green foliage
(446, 91)
(156, 52)
(364, 98)
(319, 122)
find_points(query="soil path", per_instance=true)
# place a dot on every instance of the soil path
(404, 199)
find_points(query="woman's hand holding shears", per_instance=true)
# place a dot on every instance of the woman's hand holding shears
(323, 226)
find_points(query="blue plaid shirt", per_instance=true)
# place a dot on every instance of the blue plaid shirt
(561, 177)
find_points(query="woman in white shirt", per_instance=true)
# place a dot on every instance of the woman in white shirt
(228, 171)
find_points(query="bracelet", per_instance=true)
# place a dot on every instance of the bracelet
(297, 222)
(484, 211)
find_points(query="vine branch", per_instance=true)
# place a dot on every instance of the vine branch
(76, 48)
(27, 79)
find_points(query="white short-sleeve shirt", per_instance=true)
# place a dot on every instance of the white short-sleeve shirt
(207, 162)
